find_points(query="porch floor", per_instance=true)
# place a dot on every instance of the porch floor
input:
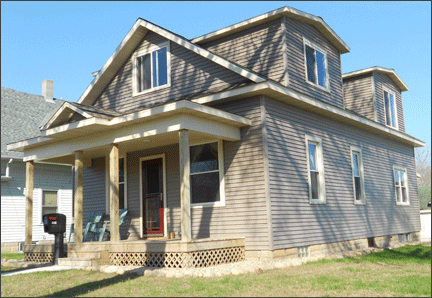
(172, 253)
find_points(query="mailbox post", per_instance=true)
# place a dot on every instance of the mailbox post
(55, 223)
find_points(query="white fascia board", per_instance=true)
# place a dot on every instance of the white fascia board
(18, 146)
(344, 115)
(317, 106)
(287, 11)
(204, 113)
(203, 52)
(138, 130)
(390, 72)
(73, 125)
(109, 61)
(64, 106)
(181, 105)
(180, 41)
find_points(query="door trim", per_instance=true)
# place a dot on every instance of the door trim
(164, 191)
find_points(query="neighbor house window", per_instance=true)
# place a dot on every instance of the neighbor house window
(206, 174)
(390, 109)
(49, 202)
(151, 69)
(401, 185)
(357, 173)
(315, 170)
(316, 65)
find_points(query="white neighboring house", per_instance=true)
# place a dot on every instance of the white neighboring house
(21, 116)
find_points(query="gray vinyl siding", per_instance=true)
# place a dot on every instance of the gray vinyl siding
(383, 80)
(359, 95)
(295, 221)
(244, 213)
(295, 31)
(94, 188)
(13, 203)
(258, 48)
(191, 75)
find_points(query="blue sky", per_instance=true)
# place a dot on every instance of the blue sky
(67, 41)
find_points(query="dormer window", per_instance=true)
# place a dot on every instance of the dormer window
(390, 108)
(315, 65)
(151, 69)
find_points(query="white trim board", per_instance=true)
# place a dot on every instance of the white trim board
(390, 72)
(309, 103)
(315, 21)
(128, 45)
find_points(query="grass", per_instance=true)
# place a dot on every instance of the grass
(405, 271)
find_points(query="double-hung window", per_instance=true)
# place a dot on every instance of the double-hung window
(401, 185)
(358, 176)
(315, 170)
(316, 65)
(390, 109)
(49, 202)
(206, 174)
(122, 184)
(151, 69)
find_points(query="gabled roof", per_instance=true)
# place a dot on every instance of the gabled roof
(315, 21)
(68, 109)
(390, 72)
(131, 41)
(21, 116)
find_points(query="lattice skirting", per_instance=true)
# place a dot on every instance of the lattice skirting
(202, 258)
(38, 257)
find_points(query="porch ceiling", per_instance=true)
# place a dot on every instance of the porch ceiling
(145, 129)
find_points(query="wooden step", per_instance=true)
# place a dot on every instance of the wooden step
(79, 262)
(85, 254)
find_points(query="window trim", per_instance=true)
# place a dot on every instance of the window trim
(385, 89)
(320, 163)
(141, 53)
(107, 189)
(404, 170)
(221, 202)
(41, 191)
(324, 52)
(357, 150)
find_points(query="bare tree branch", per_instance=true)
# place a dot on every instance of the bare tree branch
(423, 165)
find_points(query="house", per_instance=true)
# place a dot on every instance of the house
(21, 116)
(247, 137)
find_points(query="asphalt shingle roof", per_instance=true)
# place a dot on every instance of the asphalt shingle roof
(21, 115)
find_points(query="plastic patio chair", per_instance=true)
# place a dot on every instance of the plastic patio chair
(92, 221)
(104, 229)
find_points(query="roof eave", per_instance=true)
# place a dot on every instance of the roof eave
(318, 22)
(390, 72)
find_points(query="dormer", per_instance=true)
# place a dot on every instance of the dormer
(286, 45)
(376, 93)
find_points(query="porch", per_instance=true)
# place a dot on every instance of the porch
(158, 141)
(147, 253)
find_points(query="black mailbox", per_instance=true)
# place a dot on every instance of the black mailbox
(55, 223)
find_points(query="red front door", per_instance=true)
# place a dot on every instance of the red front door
(152, 183)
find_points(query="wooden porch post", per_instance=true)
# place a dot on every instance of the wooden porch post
(114, 193)
(29, 202)
(78, 207)
(185, 185)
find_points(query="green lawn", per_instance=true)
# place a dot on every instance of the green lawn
(405, 271)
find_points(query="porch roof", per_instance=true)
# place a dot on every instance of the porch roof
(94, 132)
